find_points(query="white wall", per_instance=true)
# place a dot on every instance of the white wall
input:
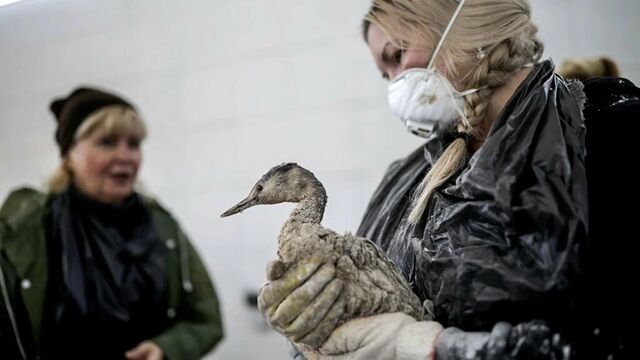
(229, 89)
(575, 28)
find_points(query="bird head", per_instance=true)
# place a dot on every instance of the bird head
(288, 182)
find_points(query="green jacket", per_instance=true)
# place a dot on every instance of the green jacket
(193, 309)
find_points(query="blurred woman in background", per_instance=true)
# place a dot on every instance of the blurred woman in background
(587, 68)
(93, 269)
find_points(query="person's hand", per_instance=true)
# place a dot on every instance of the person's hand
(303, 302)
(146, 350)
(386, 336)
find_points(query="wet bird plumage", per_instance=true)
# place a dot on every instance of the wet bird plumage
(372, 283)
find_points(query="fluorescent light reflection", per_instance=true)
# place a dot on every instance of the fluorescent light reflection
(7, 2)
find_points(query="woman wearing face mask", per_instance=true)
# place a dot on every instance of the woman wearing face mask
(93, 269)
(487, 220)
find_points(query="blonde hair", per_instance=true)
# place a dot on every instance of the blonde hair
(587, 68)
(112, 119)
(502, 29)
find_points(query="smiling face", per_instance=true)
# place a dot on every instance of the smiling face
(104, 162)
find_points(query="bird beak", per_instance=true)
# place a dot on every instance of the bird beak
(248, 202)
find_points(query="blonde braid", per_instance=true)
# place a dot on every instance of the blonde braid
(501, 63)
(448, 164)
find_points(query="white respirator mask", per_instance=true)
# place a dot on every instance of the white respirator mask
(422, 98)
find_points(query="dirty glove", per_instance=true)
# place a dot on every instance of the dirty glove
(531, 340)
(387, 336)
(304, 302)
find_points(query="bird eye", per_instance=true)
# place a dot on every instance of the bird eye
(259, 188)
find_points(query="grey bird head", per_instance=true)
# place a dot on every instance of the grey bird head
(286, 182)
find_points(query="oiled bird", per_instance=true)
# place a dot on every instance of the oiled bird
(372, 283)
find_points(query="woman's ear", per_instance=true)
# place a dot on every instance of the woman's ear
(66, 164)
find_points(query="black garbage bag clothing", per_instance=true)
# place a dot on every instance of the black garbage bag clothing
(530, 340)
(612, 114)
(505, 241)
(502, 241)
(107, 278)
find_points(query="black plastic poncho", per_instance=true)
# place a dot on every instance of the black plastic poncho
(505, 240)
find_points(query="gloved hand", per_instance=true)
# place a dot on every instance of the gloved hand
(385, 336)
(304, 302)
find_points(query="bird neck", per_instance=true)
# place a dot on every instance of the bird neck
(310, 209)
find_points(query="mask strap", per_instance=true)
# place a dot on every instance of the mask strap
(434, 56)
(471, 91)
(460, 112)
